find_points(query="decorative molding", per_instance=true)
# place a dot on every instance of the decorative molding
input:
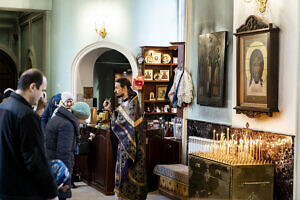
(92, 51)
(252, 113)
(253, 23)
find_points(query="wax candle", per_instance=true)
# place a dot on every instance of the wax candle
(227, 134)
(214, 135)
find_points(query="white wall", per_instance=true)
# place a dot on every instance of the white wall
(283, 14)
(26, 4)
(129, 23)
(209, 16)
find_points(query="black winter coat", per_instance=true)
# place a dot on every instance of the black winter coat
(61, 133)
(24, 170)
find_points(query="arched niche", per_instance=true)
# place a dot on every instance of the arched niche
(11, 55)
(30, 61)
(8, 71)
(82, 68)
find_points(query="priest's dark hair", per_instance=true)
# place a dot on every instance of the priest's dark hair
(125, 82)
(30, 76)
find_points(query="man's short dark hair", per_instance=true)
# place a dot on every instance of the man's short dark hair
(30, 76)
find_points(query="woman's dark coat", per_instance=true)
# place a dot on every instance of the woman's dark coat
(61, 133)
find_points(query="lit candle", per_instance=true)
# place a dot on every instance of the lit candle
(214, 135)
(256, 149)
(234, 147)
(227, 144)
(227, 134)
(251, 149)
(259, 150)
(217, 149)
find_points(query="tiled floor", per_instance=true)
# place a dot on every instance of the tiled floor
(85, 192)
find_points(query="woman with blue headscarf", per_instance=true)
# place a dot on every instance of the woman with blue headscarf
(48, 112)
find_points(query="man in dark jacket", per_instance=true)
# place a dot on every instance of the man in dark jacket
(24, 170)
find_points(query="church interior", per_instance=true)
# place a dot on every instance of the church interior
(217, 82)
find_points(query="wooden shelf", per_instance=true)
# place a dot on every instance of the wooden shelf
(159, 113)
(156, 101)
(154, 64)
(156, 81)
(176, 50)
(161, 65)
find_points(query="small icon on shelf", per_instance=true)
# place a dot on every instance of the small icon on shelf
(151, 96)
(148, 74)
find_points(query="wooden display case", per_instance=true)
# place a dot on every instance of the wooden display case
(98, 168)
(160, 150)
(158, 69)
(159, 60)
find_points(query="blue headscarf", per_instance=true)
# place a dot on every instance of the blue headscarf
(56, 98)
(48, 112)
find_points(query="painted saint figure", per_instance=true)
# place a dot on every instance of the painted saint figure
(217, 64)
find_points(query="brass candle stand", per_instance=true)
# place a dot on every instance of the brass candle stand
(234, 151)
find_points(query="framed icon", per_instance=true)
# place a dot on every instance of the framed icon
(161, 92)
(211, 68)
(257, 68)
(148, 74)
(156, 58)
(88, 92)
(151, 96)
(164, 75)
(157, 76)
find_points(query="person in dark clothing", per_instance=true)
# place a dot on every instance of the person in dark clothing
(5, 94)
(126, 123)
(52, 105)
(24, 169)
(61, 134)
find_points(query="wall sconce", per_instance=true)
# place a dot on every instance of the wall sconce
(262, 4)
(102, 31)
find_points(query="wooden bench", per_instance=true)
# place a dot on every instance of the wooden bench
(173, 180)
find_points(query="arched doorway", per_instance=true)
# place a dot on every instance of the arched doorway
(109, 66)
(8, 72)
(82, 69)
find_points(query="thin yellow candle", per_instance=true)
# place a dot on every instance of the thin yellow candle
(246, 151)
(234, 147)
(214, 135)
(251, 148)
(217, 142)
(259, 150)
(227, 134)
(256, 149)
(227, 144)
